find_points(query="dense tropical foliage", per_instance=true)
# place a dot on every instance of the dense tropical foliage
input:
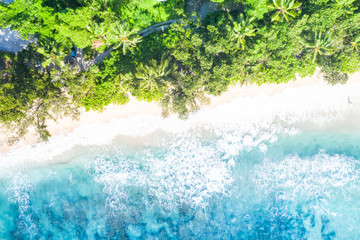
(179, 64)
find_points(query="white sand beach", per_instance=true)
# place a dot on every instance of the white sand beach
(305, 90)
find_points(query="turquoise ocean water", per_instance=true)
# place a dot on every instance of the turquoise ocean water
(240, 174)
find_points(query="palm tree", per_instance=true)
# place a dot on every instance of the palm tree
(98, 33)
(122, 35)
(285, 9)
(153, 76)
(320, 44)
(52, 54)
(355, 42)
(242, 29)
(345, 5)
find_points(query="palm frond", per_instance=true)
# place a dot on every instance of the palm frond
(320, 44)
(284, 9)
(242, 28)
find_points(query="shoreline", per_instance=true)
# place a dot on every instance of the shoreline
(67, 126)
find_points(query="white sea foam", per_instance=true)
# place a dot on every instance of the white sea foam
(311, 179)
(19, 194)
(256, 119)
(186, 171)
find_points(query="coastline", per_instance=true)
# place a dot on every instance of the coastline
(66, 126)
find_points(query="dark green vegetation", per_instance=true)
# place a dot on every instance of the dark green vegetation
(257, 42)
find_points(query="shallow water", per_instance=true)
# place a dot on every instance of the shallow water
(245, 174)
(195, 185)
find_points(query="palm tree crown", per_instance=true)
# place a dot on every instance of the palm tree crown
(243, 28)
(98, 33)
(321, 44)
(52, 54)
(285, 9)
(122, 35)
(153, 76)
(355, 42)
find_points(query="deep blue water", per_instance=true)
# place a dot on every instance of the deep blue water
(201, 184)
